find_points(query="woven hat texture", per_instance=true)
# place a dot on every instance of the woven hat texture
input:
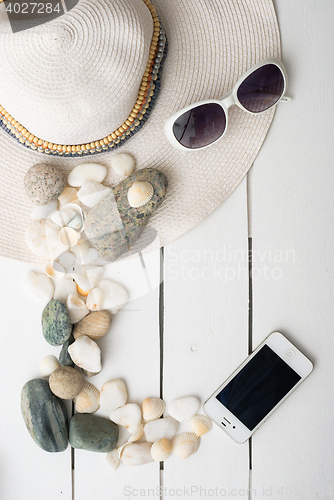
(211, 43)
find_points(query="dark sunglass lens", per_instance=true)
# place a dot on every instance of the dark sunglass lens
(200, 126)
(262, 89)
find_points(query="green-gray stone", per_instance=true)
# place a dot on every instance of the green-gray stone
(45, 416)
(56, 323)
(112, 225)
(92, 433)
(64, 357)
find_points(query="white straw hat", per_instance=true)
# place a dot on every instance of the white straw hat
(78, 89)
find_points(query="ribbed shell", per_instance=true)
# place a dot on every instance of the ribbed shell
(88, 400)
(201, 424)
(153, 408)
(140, 193)
(161, 450)
(185, 444)
(95, 325)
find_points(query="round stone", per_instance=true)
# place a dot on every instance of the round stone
(92, 433)
(43, 184)
(66, 382)
(56, 323)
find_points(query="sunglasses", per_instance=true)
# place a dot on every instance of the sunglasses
(201, 124)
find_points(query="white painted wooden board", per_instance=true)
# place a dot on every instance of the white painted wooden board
(205, 339)
(292, 228)
(27, 471)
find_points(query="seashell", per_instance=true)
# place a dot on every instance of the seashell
(140, 193)
(123, 164)
(92, 192)
(162, 428)
(86, 172)
(65, 288)
(184, 409)
(54, 270)
(128, 416)
(115, 295)
(185, 444)
(88, 400)
(153, 408)
(76, 223)
(63, 216)
(44, 211)
(95, 300)
(86, 353)
(114, 395)
(137, 434)
(80, 249)
(95, 326)
(113, 459)
(69, 195)
(83, 293)
(91, 256)
(201, 424)
(66, 259)
(89, 374)
(68, 237)
(48, 365)
(161, 450)
(39, 285)
(42, 239)
(137, 454)
(66, 382)
(77, 309)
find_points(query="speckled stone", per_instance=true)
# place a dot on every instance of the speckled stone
(45, 416)
(43, 184)
(113, 225)
(56, 324)
(92, 433)
(64, 357)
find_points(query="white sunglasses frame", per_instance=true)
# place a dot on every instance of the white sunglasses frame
(228, 100)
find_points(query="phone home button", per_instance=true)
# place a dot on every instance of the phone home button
(290, 353)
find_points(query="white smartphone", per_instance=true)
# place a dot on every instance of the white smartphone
(260, 384)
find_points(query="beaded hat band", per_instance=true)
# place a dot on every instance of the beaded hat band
(148, 93)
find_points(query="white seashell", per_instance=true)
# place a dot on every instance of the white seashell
(184, 409)
(69, 195)
(54, 270)
(200, 424)
(68, 237)
(40, 285)
(88, 400)
(113, 459)
(140, 193)
(123, 164)
(86, 353)
(137, 454)
(89, 258)
(52, 236)
(161, 450)
(92, 192)
(137, 434)
(86, 172)
(162, 428)
(128, 416)
(80, 249)
(65, 288)
(63, 216)
(94, 300)
(44, 211)
(89, 374)
(113, 395)
(77, 309)
(115, 295)
(66, 259)
(153, 408)
(48, 365)
(185, 444)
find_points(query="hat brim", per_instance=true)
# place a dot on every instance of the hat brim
(211, 44)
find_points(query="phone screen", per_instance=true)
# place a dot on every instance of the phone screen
(258, 387)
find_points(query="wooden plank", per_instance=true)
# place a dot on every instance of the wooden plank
(25, 468)
(292, 225)
(205, 338)
(131, 352)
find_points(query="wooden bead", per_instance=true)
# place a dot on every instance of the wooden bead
(114, 136)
